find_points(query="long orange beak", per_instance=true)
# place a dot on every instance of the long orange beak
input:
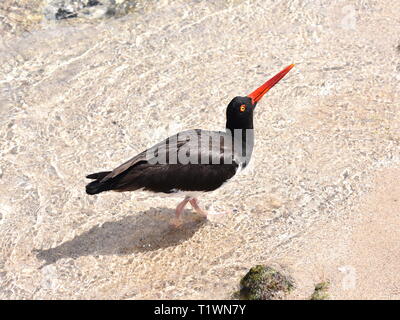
(258, 93)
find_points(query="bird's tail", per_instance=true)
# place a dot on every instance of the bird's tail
(97, 186)
(98, 175)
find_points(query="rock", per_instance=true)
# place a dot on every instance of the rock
(65, 14)
(264, 283)
(89, 9)
(320, 291)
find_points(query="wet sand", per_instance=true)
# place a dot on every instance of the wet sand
(357, 254)
(321, 191)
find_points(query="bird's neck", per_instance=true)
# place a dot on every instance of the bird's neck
(242, 141)
(232, 124)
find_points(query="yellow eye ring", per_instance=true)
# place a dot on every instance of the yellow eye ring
(242, 108)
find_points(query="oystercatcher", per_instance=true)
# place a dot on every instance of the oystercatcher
(192, 161)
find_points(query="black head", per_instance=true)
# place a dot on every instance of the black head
(239, 114)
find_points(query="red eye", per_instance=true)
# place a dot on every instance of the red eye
(242, 108)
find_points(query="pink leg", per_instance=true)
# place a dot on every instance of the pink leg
(176, 222)
(195, 204)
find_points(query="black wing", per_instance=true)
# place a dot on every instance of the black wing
(161, 169)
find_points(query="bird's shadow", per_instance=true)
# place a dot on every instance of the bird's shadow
(148, 231)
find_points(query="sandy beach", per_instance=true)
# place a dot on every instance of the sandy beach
(320, 197)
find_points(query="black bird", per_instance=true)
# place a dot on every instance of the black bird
(193, 161)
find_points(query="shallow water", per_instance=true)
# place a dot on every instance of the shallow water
(80, 97)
